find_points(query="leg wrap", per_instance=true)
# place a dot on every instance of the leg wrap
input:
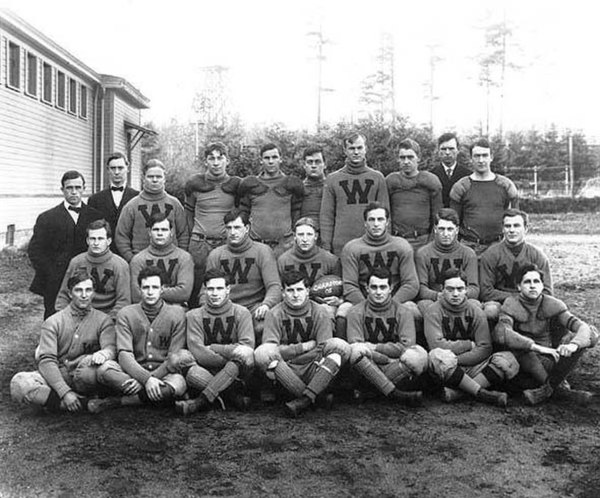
(221, 381)
(288, 379)
(339, 346)
(264, 355)
(369, 371)
(442, 363)
(198, 378)
(325, 373)
(415, 358)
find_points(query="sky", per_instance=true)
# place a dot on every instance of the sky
(161, 47)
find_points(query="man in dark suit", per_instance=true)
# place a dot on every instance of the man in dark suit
(111, 200)
(58, 235)
(448, 171)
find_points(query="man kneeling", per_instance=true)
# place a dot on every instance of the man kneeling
(299, 350)
(220, 341)
(460, 345)
(73, 343)
(545, 336)
(147, 333)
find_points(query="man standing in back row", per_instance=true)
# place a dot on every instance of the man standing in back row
(449, 171)
(346, 194)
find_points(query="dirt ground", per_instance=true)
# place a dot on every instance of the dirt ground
(369, 450)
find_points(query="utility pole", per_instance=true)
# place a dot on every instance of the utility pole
(433, 60)
(320, 42)
(571, 172)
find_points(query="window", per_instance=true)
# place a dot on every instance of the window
(47, 82)
(60, 89)
(83, 102)
(32, 75)
(14, 65)
(72, 96)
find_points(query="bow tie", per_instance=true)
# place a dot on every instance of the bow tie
(77, 210)
(117, 189)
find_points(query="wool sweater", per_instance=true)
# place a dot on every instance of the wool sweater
(143, 346)
(345, 195)
(177, 265)
(361, 255)
(253, 271)
(389, 325)
(413, 202)
(289, 327)
(111, 278)
(313, 195)
(481, 204)
(132, 228)
(215, 331)
(523, 322)
(207, 200)
(67, 336)
(434, 259)
(273, 204)
(457, 327)
(314, 263)
(500, 265)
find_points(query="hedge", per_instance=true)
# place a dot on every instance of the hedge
(553, 205)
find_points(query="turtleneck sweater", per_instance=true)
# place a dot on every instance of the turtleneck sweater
(111, 278)
(433, 259)
(314, 263)
(456, 327)
(273, 204)
(253, 271)
(313, 194)
(145, 337)
(389, 325)
(213, 332)
(289, 327)
(178, 266)
(69, 335)
(132, 236)
(207, 199)
(362, 254)
(346, 193)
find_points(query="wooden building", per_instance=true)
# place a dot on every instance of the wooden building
(56, 114)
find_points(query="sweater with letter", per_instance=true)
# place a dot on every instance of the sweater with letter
(315, 263)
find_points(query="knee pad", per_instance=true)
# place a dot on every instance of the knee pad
(177, 383)
(492, 310)
(105, 367)
(265, 354)
(414, 309)
(358, 350)
(243, 356)
(339, 346)
(442, 362)
(85, 379)
(415, 358)
(343, 309)
(180, 360)
(505, 363)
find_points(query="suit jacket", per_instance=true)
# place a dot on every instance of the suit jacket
(56, 239)
(103, 202)
(458, 173)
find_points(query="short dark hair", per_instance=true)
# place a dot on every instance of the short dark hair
(447, 214)
(410, 144)
(291, 277)
(159, 218)
(234, 214)
(219, 147)
(97, 225)
(117, 155)
(352, 137)
(454, 273)
(306, 221)
(72, 174)
(80, 276)
(153, 163)
(382, 272)
(446, 137)
(480, 142)
(526, 269)
(151, 271)
(375, 205)
(268, 146)
(312, 150)
(516, 212)
(217, 273)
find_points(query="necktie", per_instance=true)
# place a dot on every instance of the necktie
(77, 210)
(117, 189)
(449, 172)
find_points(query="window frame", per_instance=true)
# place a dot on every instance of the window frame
(83, 101)
(29, 58)
(73, 100)
(57, 103)
(45, 81)
(10, 70)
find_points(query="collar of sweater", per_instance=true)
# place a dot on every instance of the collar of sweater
(153, 197)
(515, 249)
(263, 177)
(454, 308)
(216, 179)
(79, 312)
(97, 259)
(355, 169)
(161, 252)
(241, 247)
(379, 241)
(531, 305)
(219, 310)
(302, 310)
(314, 182)
(380, 307)
(440, 248)
(152, 310)
(306, 255)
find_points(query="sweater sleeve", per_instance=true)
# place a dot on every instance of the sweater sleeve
(350, 272)
(125, 351)
(409, 282)
(327, 216)
(203, 354)
(487, 278)
(382, 192)
(482, 340)
(354, 325)
(583, 334)
(406, 335)
(135, 267)
(48, 358)
(122, 288)
(124, 231)
(177, 342)
(62, 298)
(423, 275)
(181, 226)
(108, 339)
(435, 337)
(297, 189)
(182, 290)
(472, 273)
(270, 278)
(505, 335)
(322, 323)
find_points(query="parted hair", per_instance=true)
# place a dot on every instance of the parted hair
(217, 273)
(447, 214)
(453, 273)
(234, 214)
(291, 277)
(312, 150)
(352, 137)
(269, 146)
(80, 275)
(117, 155)
(410, 144)
(219, 147)
(446, 137)
(151, 271)
(159, 218)
(375, 205)
(153, 163)
(516, 212)
(97, 225)
(72, 174)
(526, 269)
(382, 272)
(480, 142)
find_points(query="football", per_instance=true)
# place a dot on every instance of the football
(327, 285)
